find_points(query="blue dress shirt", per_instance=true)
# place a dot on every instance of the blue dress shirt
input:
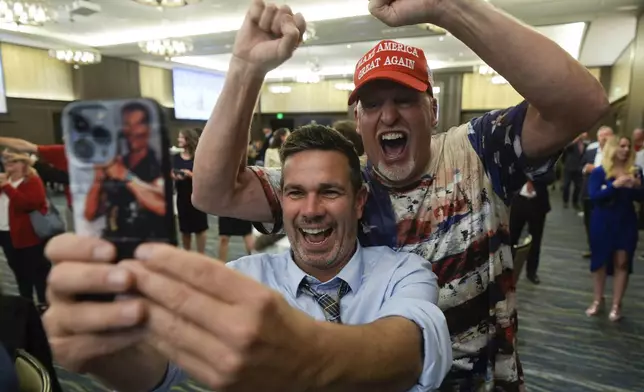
(383, 283)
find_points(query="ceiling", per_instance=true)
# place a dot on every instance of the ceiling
(594, 31)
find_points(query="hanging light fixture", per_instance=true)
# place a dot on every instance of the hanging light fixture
(167, 48)
(163, 4)
(76, 57)
(26, 13)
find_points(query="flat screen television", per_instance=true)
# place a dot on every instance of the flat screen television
(3, 94)
(195, 93)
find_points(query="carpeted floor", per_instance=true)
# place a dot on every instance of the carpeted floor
(561, 349)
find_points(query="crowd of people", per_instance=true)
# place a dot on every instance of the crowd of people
(399, 274)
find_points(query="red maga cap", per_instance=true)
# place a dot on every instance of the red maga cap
(393, 61)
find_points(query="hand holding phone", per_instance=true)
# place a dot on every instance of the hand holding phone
(93, 337)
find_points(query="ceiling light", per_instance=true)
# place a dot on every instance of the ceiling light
(279, 89)
(162, 4)
(309, 34)
(76, 57)
(308, 77)
(436, 90)
(166, 47)
(30, 13)
(498, 79)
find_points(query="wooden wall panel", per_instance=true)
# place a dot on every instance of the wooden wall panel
(156, 83)
(620, 80)
(31, 73)
(320, 97)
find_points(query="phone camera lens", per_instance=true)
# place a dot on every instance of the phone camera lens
(101, 136)
(84, 149)
(80, 123)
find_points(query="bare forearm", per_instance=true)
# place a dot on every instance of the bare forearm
(93, 200)
(151, 199)
(554, 83)
(382, 356)
(223, 144)
(140, 369)
(18, 144)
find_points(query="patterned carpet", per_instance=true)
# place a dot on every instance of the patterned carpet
(561, 349)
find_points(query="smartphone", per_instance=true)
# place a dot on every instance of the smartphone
(119, 171)
(178, 173)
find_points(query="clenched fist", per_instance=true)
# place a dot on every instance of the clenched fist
(408, 12)
(269, 36)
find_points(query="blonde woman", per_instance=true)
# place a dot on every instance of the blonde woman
(272, 157)
(612, 188)
(22, 192)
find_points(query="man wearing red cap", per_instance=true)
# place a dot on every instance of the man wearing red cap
(445, 197)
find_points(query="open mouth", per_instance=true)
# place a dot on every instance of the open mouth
(393, 144)
(316, 236)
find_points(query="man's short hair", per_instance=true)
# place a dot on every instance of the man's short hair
(323, 138)
(348, 129)
(137, 107)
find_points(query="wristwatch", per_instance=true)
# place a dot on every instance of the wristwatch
(129, 176)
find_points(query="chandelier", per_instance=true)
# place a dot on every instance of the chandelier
(162, 4)
(486, 70)
(31, 13)
(166, 47)
(76, 57)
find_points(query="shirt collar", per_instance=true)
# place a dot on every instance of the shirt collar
(351, 273)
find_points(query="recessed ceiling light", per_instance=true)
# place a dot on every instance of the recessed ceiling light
(348, 46)
(460, 54)
(441, 38)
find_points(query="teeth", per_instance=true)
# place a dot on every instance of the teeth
(314, 231)
(392, 136)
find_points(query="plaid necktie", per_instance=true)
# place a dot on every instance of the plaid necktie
(330, 306)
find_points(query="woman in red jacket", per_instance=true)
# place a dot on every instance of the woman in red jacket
(22, 192)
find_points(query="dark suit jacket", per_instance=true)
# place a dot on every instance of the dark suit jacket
(572, 157)
(588, 157)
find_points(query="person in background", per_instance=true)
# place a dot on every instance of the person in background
(21, 193)
(327, 315)
(348, 129)
(442, 196)
(572, 166)
(613, 187)
(268, 137)
(272, 156)
(254, 149)
(530, 206)
(592, 158)
(191, 220)
(638, 139)
(53, 154)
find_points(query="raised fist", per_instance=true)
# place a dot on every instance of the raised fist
(269, 35)
(407, 12)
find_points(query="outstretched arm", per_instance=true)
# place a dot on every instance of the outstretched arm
(18, 144)
(534, 65)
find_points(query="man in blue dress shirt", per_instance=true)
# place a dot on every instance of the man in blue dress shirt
(230, 331)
